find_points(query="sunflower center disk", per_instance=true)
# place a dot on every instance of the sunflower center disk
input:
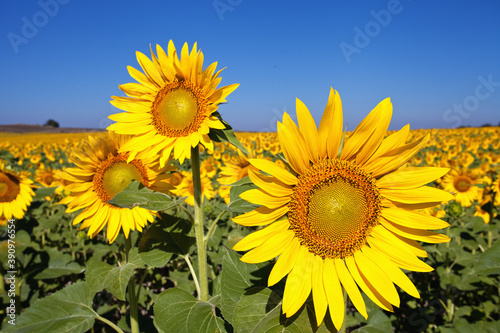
(462, 184)
(118, 176)
(9, 187)
(334, 207)
(178, 108)
(336, 210)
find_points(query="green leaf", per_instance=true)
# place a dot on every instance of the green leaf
(168, 235)
(236, 278)
(178, 311)
(378, 322)
(60, 264)
(96, 273)
(259, 311)
(42, 192)
(226, 135)
(237, 204)
(488, 262)
(137, 195)
(100, 275)
(67, 310)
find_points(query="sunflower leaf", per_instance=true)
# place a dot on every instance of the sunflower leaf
(259, 310)
(178, 311)
(43, 192)
(488, 262)
(67, 310)
(137, 195)
(227, 135)
(237, 204)
(59, 264)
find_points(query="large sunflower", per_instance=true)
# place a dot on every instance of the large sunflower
(345, 215)
(172, 106)
(101, 172)
(15, 193)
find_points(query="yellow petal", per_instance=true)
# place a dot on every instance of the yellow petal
(370, 132)
(333, 292)
(285, 262)
(270, 185)
(362, 283)
(411, 219)
(395, 158)
(392, 271)
(293, 147)
(308, 129)
(416, 234)
(274, 170)
(260, 216)
(259, 197)
(330, 127)
(258, 237)
(350, 287)
(376, 277)
(391, 142)
(399, 256)
(318, 290)
(411, 177)
(298, 284)
(417, 195)
(271, 248)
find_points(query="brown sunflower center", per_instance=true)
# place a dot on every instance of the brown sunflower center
(9, 187)
(115, 174)
(179, 109)
(462, 183)
(334, 207)
(48, 179)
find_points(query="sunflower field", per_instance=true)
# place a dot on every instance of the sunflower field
(171, 222)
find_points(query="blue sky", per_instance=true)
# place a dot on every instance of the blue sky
(437, 60)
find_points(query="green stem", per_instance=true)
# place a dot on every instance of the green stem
(134, 316)
(193, 273)
(104, 320)
(198, 225)
(212, 227)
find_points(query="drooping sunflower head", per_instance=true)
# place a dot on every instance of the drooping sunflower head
(172, 106)
(344, 214)
(101, 172)
(15, 193)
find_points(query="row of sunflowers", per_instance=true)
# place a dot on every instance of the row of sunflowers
(340, 215)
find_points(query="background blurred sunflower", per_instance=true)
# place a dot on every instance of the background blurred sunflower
(346, 216)
(15, 193)
(100, 173)
(185, 188)
(172, 106)
(462, 182)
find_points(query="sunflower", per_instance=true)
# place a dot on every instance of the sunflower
(233, 170)
(101, 172)
(15, 193)
(172, 107)
(346, 215)
(185, 188)
(463, 182)
(46, 177)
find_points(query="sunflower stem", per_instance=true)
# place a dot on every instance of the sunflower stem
(198, 225)
(134, 316)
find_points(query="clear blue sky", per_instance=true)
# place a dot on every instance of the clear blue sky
(437, 60)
